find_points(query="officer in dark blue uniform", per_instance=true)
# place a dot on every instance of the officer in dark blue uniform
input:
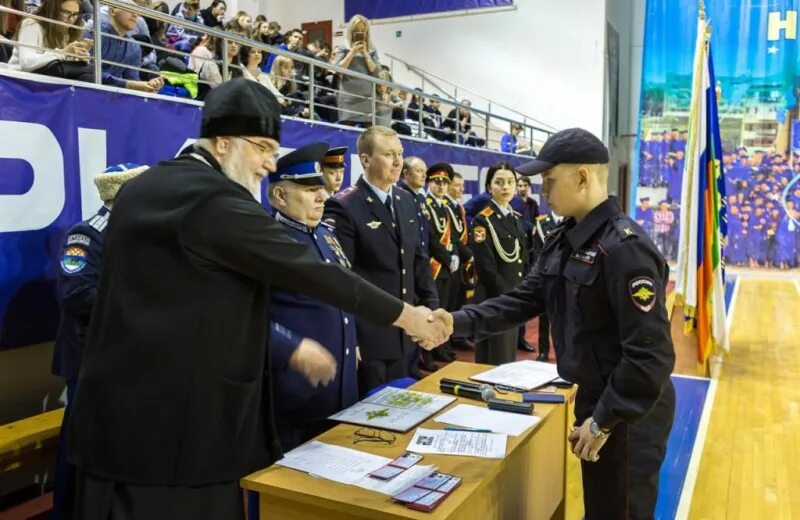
(297, 192)
(602, 282)
(77, 289)
(378, 227)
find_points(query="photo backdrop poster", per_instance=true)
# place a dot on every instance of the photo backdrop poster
(755, 47)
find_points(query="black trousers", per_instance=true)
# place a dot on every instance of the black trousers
(498, 349)
(293, 435)
(544, 334)
(99, 499)
(623, 484)
(444, 290)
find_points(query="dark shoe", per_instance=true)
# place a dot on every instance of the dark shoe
(543, 356)
(525, 346)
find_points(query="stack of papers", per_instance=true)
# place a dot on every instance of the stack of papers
(394, 409)
(352, 467)
(475, 417)
(520, 375)
(467, 444)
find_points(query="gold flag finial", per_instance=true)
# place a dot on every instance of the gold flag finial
(701, 8)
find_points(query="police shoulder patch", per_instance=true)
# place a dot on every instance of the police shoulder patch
(479, 234)
(488, 211)
(643, 293)
(79, 238)
(74, 259)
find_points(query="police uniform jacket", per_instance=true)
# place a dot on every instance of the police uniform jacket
(300, 316)
(423, 215)
(172, 391)
(602, 282)
(387, 252)
(77, 289)
(498, 268)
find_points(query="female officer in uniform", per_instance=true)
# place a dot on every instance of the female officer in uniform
(499, 245)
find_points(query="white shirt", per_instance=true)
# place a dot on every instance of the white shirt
(504, 211)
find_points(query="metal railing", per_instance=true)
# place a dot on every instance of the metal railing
(386, 106)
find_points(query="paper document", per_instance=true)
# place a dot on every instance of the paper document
(402, 481)
(522, 375)
(394, 409)
(468, 444)
(332, 462)
(476, 417)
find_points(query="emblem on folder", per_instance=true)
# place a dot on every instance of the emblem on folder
(375, 224)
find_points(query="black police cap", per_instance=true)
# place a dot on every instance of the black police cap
(571, 146)
(241, 107)
(301, 166)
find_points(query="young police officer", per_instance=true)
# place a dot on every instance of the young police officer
(602, 282)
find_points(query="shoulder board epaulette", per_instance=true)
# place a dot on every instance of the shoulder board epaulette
(542, 217)
(328, 224)
(625, 227)
(345, 193)
(517, 213)
(99, 222)
(488, 211)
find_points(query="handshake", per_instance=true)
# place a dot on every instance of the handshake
(426, 327)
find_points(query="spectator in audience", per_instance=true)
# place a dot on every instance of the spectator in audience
(359, 55)
(126, 54)
(158, 31)
(8, 27)
(508, 143)
(294, 43)
(141, 24)
(275, 36)
(182, 38)
(412, 111)
(251, 59)
(213, 14)
(46, 38)
(383, 102)
(282, 77)
(206, 62)
(260, 18)
(241, 22)
(461, 119)
(261, 32)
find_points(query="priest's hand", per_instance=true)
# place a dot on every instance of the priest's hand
(314, 362)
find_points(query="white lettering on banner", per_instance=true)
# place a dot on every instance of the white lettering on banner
(44, 201)
(92, 157)
(776, 24)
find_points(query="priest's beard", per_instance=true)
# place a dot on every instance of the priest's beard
(235, 168)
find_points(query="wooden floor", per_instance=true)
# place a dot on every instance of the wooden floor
(750, 467)
(751, 460)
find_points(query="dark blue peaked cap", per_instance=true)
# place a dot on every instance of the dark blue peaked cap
(302, 165)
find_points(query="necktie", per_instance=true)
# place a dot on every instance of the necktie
(388, 203)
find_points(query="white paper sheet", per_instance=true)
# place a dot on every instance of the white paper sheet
(523, 375)
(332, 462)
(470, 416)
(402, 481)
(468, 444)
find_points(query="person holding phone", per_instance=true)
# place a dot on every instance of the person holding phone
(360, 55)
(52, 49)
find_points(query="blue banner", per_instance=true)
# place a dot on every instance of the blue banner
(55, 137)
(755, 49)
(374, 9)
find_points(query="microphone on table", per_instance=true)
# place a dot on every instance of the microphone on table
(482, 392)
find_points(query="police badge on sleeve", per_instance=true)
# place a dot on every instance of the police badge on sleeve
(74, 259)
(643, 293)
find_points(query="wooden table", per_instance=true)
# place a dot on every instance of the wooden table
(530, 483)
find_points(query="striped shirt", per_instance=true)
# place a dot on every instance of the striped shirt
(663, 220)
